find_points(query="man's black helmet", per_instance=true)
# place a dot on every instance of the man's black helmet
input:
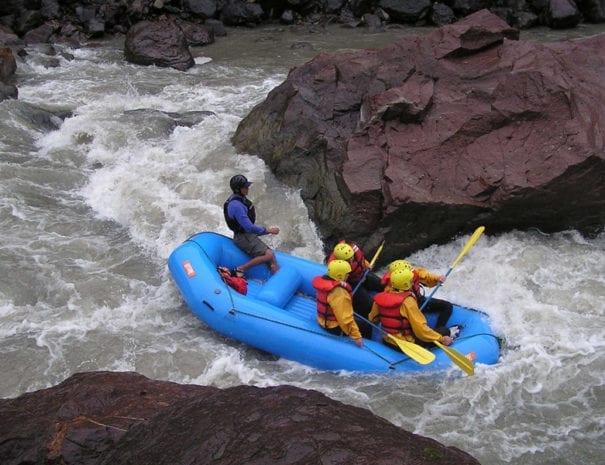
(238, 181)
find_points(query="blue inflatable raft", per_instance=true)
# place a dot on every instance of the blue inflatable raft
(278, 313)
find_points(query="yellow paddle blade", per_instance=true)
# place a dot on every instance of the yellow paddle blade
(376, 255)
(414, 351)
(468, 245)
(464, 363)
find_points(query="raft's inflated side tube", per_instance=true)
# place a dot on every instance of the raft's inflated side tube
(270, 319)
(280, 287)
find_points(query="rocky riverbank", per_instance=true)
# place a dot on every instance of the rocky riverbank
(74, 23)
(102, 418)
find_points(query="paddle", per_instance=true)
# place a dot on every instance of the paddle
(463, 363)
(465, 249)
(414, 351)
(369, 268)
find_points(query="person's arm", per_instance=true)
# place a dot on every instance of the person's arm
(342, 305)
(373, 316)
(427, 278)
(238, 211)
(421, 329)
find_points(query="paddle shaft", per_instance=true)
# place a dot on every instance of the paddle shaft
(462, 253)
(414, 351)
(417, 353)
(460, 360)
(369, 268)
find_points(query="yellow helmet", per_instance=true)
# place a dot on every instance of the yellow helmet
(400, 265)
(338, 269)
(343, 252)
(401, 279)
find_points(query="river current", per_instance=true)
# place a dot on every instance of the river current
(89, 213)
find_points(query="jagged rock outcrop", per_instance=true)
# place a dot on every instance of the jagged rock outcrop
(435, 135)
(106, 418)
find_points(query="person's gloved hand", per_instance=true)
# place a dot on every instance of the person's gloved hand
(454, 331)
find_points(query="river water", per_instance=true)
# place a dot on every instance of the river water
(89, 213)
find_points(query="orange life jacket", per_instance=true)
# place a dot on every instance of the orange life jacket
(391, 319)
(324, 285)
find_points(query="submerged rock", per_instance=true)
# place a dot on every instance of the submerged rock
(106, 418)
(435, 135)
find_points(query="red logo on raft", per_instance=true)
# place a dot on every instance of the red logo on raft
(189, 271)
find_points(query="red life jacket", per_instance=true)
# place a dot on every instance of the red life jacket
(386, 279)
(237, 283)
(389, 305)
(358, 264)
(324, 285)
(416, 286)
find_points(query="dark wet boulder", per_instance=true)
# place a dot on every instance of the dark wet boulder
(105, 418)
(156, 124)
(467, 7)
(161, 43)
(562, 14)
(217, 27)
(41, 34)
(442, 14)
(525, 19)
(197, 34)
(9, 38)
(39, 118)
(8, 67)
(434, 135)
(200, 8)
(8, 64)
(8, 91)
(373, 23)
(406, 11)
(592, 10)
(241, 13)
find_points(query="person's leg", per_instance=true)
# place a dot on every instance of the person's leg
(364, 328)
(257, 250)
(267, 257)
(442, 308)
(362, 302)
(362, 305)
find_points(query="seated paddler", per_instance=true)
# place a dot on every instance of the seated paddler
(335, 302)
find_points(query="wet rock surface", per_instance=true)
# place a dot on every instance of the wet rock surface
(433, 136)
(103, 418)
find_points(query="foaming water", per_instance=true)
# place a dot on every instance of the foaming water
(90, 211)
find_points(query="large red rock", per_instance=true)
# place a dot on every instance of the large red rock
(437, 134)
(104, 418)
(161, 43)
